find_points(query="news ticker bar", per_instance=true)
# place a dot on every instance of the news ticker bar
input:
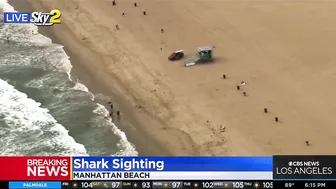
(260, 184)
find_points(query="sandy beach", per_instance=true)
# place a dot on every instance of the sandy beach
(282, 50)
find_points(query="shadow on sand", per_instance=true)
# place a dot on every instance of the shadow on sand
(216, 60)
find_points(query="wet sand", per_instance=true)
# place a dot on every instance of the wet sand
(282, 50)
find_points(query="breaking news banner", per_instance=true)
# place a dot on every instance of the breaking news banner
(304, 167)
(35, 168)
(168, 168)
(171, 168)
(135, 168)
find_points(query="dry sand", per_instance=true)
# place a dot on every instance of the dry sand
(283, 50)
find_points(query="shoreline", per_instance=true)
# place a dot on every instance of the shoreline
(129, 123)
(118, 51)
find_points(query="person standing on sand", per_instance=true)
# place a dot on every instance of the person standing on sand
(118, 114)
(222, 128)
(114, 3)
(111, 112)
(111, 105)
(307, 143)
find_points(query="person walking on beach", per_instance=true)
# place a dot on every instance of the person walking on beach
(114, 3)
(118, 114)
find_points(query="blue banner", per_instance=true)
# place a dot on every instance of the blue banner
(172, 164)
(16, 17)
(39, 185)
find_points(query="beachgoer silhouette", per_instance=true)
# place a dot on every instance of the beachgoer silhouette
(113, 3)
(307, 143)
(222, 128)
(118, 114)
(144, 13)
(135, 4)
(162, 30)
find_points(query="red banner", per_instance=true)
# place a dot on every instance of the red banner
(35, 168)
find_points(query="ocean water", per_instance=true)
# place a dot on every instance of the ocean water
(42, 110)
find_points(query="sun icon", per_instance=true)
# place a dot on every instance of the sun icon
(256, 185)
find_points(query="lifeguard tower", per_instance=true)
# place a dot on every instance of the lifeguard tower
(203, 55)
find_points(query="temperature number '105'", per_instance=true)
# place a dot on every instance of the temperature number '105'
(267, 184)
(238, 185)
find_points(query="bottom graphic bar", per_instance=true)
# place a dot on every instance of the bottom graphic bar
(144, 184)
(258, 184)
